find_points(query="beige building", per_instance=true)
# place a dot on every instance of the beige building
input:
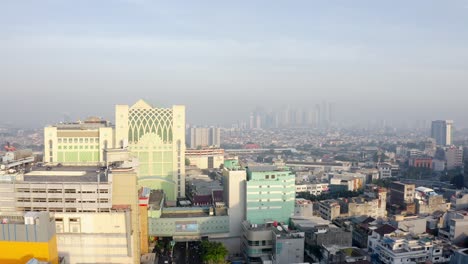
(205, 158)
(96, 237)
(79, 143)
(156, 136)
(96, 211)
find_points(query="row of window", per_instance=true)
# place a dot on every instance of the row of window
(78, 147)
(59, 200)
(27, 190)
(78, 140)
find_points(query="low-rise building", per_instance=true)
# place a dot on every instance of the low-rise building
(320, 232)
(352, 181)
(420, 162)
(303, 208)
(413, 224)
(312, 188)
(428, 201)
(24, 236)
(288, 246)
(401, 247)
(208, 158)
(459, 200)
(455, 226)
(402, 195)
(341, 255)
(329, 209)
(257, 241)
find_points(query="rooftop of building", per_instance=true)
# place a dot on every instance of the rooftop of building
(155, 199)
(385, 229)
(264, 168)
(22, 217)
(301, 201)
(185, 212)
(351, 252)
(66, 174)
(330, 202)
(89, 123)
(282, 232)
(310, 223)
(203, 184)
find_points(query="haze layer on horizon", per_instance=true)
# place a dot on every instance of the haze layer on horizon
(399, 60)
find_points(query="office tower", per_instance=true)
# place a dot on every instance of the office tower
(79, 143)
(331, 113)
(441, 131)
(258, 121)
(318, 116)
(204, 137)
(270, 194)
(251, 121)
(156, 136)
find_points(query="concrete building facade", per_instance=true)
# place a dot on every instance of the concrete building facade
(270, 194)
(80, 143)
(204, 137)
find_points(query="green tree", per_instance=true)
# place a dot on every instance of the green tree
(187, 162)
(213, 252)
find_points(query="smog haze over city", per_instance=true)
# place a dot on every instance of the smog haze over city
(393, 60)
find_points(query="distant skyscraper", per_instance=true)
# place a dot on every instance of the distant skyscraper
(156, 136)
(441, 131)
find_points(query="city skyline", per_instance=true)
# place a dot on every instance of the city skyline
(398, 61)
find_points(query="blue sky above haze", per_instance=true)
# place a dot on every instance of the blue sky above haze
(408, 59)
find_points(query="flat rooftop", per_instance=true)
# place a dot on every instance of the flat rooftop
(66, 174)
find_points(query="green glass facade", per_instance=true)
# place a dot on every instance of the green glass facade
(270, 196)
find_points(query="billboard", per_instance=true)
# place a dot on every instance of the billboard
(186, 226)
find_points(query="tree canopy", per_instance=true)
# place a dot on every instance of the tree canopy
(213, 252)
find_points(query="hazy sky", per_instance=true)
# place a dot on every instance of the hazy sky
(374, 59)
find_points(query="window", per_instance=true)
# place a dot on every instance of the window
(75, 225)
(75, 140)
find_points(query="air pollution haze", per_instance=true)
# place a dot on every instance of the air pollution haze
(399, 60)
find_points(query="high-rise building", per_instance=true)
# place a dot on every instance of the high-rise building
(441, 131)
(204, 137)
(79, 143)
(156, 136)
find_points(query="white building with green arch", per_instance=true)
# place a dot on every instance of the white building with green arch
(156, 136)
